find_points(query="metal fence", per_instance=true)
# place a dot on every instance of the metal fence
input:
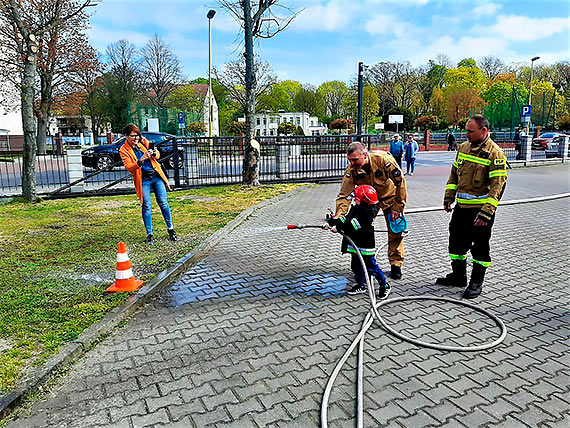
(202, 161)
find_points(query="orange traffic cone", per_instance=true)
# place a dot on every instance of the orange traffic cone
(125, 280)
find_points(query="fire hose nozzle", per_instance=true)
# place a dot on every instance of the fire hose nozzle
(295, 226)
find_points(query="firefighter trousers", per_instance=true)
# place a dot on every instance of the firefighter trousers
(395, 244)
(465, 236)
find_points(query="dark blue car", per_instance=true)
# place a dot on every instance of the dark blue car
(106, 156)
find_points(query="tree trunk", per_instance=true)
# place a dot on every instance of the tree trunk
(43, 120)
(251, 153)
(29, 155)
(94, 121)
(46, 80)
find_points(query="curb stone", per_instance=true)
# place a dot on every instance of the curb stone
(92, 335)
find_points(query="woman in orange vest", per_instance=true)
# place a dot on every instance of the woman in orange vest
(147, 175)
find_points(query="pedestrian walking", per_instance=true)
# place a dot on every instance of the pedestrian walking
(381, 172)
(476, 183)
(450, 140)
(142, 162)
(411, 150)
(358, 225)
(397, 149)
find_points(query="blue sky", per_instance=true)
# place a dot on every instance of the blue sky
(329, 37)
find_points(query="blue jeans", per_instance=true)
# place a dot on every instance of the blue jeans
(371, 266)
(159, 189)
(410, 164)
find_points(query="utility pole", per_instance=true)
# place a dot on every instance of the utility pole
(360, 84)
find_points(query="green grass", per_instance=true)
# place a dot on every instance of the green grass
(59, 256)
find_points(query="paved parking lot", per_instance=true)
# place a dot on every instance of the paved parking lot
(249, 336)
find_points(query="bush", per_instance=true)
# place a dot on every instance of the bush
(195, 128)
(427, 122)
(287, 128)
(564, 123)
(236, 128)
(341, 124)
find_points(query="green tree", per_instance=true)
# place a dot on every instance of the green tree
(466, 77)
(502, 92)
(437, 102)
(307, 99)
(370, 105)
(186, 98)
(281, 96)
(467, 62)
(334, 94)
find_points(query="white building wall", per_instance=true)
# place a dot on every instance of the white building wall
(266, 123)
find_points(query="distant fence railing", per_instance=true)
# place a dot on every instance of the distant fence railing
(202, 161)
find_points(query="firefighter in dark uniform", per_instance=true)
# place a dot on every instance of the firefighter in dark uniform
(381, 171)
(476, 183)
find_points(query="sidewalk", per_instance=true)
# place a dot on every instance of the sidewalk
(249, 336)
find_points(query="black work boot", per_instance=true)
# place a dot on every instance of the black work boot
(395, 272)
(476, 282)
(172, 235)
(149, 239)
(458, 276)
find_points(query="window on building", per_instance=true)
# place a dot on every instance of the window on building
(265, 121)
(298, 121)
(265, 132)
(258, 121)
(312, 123)
(291, 119)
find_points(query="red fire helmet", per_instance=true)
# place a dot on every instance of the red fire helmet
(366, 194)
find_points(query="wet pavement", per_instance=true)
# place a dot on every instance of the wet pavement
(249, 336)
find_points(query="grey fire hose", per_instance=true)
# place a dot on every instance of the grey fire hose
(374, 315)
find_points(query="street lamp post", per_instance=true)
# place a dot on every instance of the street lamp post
(360, 84)
(210, 15)
(532, 60)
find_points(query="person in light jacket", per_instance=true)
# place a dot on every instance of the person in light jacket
(411, 150)
(142, 163)
(397, 149)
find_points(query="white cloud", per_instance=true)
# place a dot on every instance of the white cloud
(525, 28)
(486, 9)
(419, 52)
(333, 16)
(387, 24)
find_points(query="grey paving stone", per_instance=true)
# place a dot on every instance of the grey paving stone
(249, 335)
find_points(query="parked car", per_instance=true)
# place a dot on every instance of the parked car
(104, 157)
(552, 148)
(542, 141)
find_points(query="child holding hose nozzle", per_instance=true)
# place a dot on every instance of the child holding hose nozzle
(358, 226)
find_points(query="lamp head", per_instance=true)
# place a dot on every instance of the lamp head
(535, 58)
(211, 13)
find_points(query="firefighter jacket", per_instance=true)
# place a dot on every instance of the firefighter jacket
(478, 177)
(382, 173)
(357, 224)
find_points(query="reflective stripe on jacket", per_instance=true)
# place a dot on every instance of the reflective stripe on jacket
(478, 177)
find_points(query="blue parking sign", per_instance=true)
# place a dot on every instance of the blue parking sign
(526, 111)
(180, 117)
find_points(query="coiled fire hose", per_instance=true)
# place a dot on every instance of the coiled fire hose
(374, 315)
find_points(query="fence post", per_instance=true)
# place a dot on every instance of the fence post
(427, 136)
(282, 159)
(75, 170)
(526, 148)
(563, 147)
(191, 165)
